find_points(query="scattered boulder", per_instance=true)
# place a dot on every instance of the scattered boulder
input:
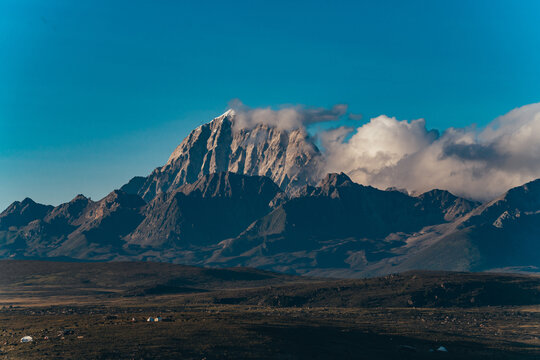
(27, 339)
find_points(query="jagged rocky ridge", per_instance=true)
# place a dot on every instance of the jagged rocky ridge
(81, 228)
(215, 207)
(337, 228)
(225, 198)
(338, 223)
(503, 234)
(287, 157)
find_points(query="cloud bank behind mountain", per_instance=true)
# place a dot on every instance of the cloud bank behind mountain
(479, 163)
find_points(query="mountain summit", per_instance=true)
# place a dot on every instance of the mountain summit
(288, 157)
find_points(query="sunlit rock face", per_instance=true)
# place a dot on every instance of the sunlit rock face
(288, 157)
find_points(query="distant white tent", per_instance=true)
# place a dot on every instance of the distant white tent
(27, 339)
(150, 319)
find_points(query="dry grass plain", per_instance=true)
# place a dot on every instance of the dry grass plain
(80, 312)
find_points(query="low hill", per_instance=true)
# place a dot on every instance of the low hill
(245, 286)
(52, 278)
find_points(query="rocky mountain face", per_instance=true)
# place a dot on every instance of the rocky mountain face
(287, 157)
(442, 205)
(215, 207)
(503, 234)
(231, 196)
(80, 228)
(516, 205)
(338, 224)
(21, 213)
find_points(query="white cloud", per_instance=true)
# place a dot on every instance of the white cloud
(475, 163)
(377, 145)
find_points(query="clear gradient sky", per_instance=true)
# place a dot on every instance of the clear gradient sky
(95, 92)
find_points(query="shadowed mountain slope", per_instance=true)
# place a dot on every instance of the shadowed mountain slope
(501, 234)
(20, 213)
(338, 224)
(215, 207)
(80, 228)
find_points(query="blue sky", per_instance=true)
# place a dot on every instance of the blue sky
(95, 92)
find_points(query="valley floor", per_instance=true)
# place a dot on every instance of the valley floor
(99, 311)
(120, 331)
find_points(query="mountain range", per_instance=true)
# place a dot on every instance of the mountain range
(232, 196)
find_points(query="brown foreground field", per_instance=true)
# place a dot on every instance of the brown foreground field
(99, 311)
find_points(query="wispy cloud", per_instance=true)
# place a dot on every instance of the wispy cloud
(287, 118)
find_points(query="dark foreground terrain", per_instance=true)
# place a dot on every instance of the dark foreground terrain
(99, 311)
